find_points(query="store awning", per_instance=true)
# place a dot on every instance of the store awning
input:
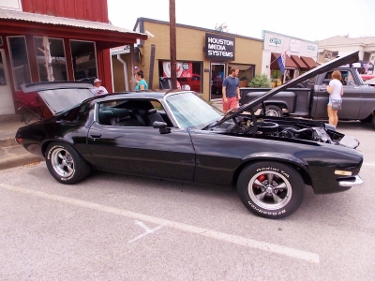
(289, 63)
(106, 35)
(299, 62)
(309, 62)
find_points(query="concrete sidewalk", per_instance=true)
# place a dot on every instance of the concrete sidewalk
(11, 153)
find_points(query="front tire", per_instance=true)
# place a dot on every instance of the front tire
(65, 164)
(270, 189)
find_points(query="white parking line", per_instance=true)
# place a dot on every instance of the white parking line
(234, 239)
(369, 164)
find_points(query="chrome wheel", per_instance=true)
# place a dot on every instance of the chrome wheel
(270, 190)
(273, 110)
(62, 162)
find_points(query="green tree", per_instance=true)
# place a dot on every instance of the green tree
(260, 81)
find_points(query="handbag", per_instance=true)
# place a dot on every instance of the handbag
(336, 105)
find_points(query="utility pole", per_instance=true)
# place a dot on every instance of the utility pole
(172, 32)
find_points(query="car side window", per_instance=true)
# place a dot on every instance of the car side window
(131, 112)
(347, 78)
(327, 78)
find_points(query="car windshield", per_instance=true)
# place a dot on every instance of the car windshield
(62, 99)
(190, 110)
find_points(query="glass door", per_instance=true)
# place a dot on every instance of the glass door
(217, 77)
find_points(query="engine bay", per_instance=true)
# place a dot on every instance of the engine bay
(283, 128)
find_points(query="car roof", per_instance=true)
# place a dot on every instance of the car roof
(151, 94)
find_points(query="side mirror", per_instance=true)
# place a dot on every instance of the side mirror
(162, 126)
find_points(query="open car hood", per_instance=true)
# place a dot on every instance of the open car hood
(350, 58)
(60, 96)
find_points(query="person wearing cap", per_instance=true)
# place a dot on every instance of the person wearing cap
(98, 88)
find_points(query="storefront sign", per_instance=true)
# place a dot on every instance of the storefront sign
(294, 45)
(327, 55)
(311, 48)
(219, 47)
(183, 69)
(274, 41)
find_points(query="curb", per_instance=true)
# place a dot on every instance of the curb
(20, 161)
(8, 142)
(16, 155)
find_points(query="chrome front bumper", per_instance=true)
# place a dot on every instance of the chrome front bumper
(352, 181)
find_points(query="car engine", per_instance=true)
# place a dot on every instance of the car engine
(286, 129)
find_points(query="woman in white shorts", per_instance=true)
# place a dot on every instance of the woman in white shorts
(335, 91)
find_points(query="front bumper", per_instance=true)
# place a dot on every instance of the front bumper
(351, 181)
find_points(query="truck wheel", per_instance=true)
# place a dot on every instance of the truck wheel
(271, 189)
(373, 121)
(273, 110)
(368, 119)
(65, 164)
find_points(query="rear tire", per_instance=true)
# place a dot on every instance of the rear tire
(65, 164)
(270, 189)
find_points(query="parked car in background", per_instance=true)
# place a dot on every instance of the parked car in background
(194, 82)
(366, 77)
(175, 134)
(370, 82)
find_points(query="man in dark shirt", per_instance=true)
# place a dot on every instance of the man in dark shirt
(231, 90)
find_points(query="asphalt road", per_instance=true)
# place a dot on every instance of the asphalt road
(116, 227)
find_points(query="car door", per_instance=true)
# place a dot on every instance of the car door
(353, 94)
(351, 99)
(143, 150)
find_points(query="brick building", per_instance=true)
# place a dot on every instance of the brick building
(75, 40)
(204, 57)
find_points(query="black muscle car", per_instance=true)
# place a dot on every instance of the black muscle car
(177, 135)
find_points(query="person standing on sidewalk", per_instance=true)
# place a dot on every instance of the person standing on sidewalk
(99, 89)
(141, 83)
(231, 90)
(335, 91)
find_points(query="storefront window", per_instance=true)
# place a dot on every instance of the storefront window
(3, 80)
(246, 74)
(19, 60)
(58, 59)
(188, 75)
(83, 60)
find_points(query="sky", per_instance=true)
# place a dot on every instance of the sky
(307, 20)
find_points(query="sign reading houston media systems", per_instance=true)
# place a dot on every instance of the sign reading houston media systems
(219, 47)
